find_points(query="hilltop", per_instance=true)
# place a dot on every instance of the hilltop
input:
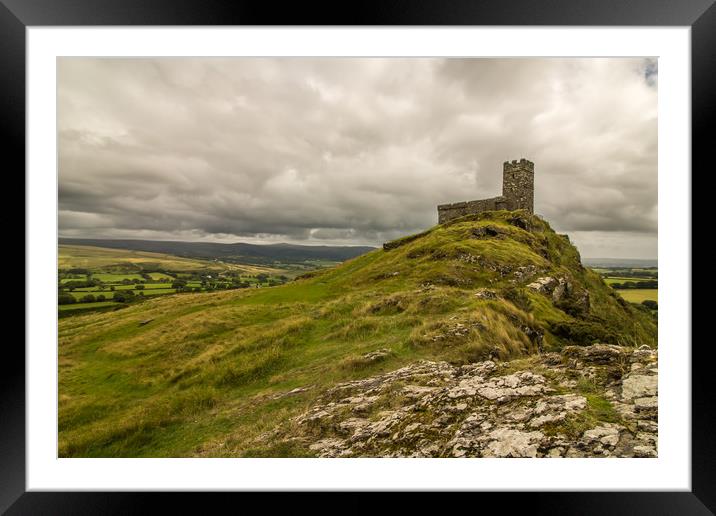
(245, 373)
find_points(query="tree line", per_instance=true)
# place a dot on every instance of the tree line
(636, 284)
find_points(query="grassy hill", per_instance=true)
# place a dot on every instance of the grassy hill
(209, 374)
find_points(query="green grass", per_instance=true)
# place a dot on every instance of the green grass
(108, 294)
(148, 286)
(115, 278)
(638, 295)
(194, 374)
(155, 291)
(85, 306)
(160, 275)
(67, 280)
(611, 280)
(77, 294)
(132, 286)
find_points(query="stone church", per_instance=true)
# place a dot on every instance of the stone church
(518, 189)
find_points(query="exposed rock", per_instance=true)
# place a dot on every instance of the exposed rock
(485, 293)
(376, 356)
(639, 385)
(645, 451)
(555, 409)
(597, 353)
(535, 335)
(504, 388)
(556, 288)
(562, 288)
(521, 222)
(544, 285)
(435, 409)
(487, 232)
(524, 272)
(563, 293)
(506, 442)
(292, 392)
(552, 359)
(330, 446)
(644, 404)
(607, 434)
(469, 258)
(582, 300)
(647, 426)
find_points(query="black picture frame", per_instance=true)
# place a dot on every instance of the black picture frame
(16, 15)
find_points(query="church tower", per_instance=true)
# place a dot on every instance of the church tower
(518, 185)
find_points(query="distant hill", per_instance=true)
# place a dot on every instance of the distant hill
(129, 260)
(620, 262)
(457, 341)
(238, 252)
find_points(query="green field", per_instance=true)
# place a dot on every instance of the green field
(160, 276)
(155, 291)
(203, 375)
(87, 270)
(106, 288)
(115, 278)
(637, 295)
(84, 306)
(611, 280)
(74, 278)
(78, 309)
(637, 276)
(108, 294)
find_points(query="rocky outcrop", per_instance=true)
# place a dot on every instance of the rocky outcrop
(557, 288)
(488, 232)
(592, 401)
(562, 292)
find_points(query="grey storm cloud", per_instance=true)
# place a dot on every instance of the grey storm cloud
(352, 151)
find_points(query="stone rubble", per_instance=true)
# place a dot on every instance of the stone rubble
(292, 392)
(376, 356)
(528, 408)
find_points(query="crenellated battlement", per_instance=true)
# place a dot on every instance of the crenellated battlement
(517, 194)
(522, 164)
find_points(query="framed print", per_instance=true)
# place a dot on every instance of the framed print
(418, 253)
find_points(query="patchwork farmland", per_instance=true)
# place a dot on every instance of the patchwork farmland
(635, 285)
(92, 279)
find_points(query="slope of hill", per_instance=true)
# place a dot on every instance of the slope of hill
(240, 373)
(238, 252)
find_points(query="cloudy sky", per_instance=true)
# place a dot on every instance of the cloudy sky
(353, 151)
